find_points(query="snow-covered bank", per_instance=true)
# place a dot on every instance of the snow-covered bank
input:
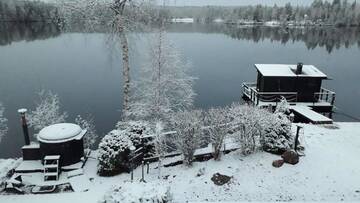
(329, 171)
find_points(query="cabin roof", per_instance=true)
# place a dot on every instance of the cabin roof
(287, 70)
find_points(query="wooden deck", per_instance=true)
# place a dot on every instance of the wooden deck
(310, 115)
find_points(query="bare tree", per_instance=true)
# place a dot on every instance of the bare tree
(164, 85)
(217, 122)
(3, 122)
(247, 123)
(47, 111)
(188, 137)
(88, 124)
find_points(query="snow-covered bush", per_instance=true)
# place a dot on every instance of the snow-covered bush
(47, 111)
(188, 137)
(283, 106)
(3, 122)
(113, 153)
(135, 130)
(88, 124)
(217, 122)
(247, 123)
(155, 192)
(277, 136)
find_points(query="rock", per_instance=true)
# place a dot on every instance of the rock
(278, 163)
(220, 179)
(290, 157)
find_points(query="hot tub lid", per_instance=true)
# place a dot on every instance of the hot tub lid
(60, 132)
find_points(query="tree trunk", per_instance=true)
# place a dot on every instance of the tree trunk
(126, 73)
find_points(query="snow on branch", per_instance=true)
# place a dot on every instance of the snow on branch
(218, 122)
(189, 135)
(91, 134)
(3, 122)
(164, 85)
(47, 112)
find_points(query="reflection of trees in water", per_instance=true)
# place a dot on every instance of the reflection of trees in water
(14, 32)
(327, 37)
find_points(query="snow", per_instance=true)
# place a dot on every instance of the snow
(182, 20)
(310, 114)
(329, 171)
(286, 70)
(22, 111)
(60, 132)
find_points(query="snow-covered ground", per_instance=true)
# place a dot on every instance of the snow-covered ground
(329, 171)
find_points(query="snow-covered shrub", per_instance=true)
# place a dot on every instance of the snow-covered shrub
(283, 106)
(217, 122)
(113, 153)
(188, 137)
(91, 135)
(135, 130)
(277, 136)
(154, 192)
(47, 111)
(3, 122)
(247, 123)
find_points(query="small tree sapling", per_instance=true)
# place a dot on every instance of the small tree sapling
(188, 137)
(47, 111)
(217, 126)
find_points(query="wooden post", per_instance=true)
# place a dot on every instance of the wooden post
(24, 126)
(297, 137)
(142, 172)
(132, 175)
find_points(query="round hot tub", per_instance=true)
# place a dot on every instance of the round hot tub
(64, 139)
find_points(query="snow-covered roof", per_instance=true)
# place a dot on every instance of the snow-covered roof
(60, 132)
(287, 70)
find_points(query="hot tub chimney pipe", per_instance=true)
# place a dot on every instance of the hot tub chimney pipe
(24, 126)
(299, 68)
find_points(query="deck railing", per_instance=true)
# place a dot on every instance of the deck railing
(249, 90)
(325, 95)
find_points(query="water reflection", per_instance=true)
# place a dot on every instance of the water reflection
(14, 32)
(329, 38)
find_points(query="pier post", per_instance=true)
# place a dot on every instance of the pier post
(24, 125)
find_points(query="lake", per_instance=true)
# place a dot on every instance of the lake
(85, 70)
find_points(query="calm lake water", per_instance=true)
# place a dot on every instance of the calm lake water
(86, 73)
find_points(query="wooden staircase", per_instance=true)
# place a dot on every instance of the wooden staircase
(51, 167)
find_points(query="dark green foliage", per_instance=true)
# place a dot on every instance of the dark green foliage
(27, 11)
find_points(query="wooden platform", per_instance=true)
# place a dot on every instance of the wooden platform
(310, 115)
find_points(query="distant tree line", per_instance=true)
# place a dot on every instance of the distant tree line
(27, 11)
(338, 12)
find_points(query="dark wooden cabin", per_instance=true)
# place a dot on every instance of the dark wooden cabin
(300, 84)
(304, 80)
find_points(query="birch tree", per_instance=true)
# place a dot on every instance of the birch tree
(122, 16)
(188, 137)
(164, 85)
(47, 111)
(3, 122)
(217, 122)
